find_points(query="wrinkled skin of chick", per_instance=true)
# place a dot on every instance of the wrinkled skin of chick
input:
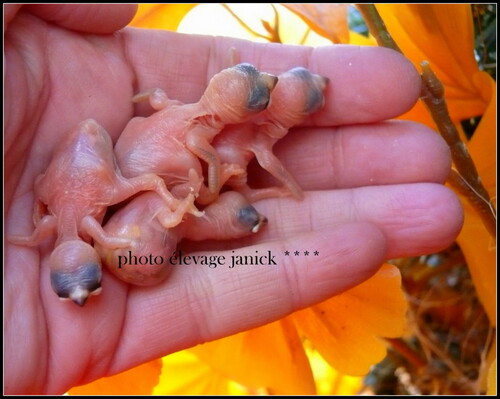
(151, 245)
(298, 94)
(173, 140)
(81, 181)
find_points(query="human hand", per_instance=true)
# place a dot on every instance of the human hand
(373, 190)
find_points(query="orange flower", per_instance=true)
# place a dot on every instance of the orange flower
(443, 35)
(270, 357)
(184, 374)
(346, 328)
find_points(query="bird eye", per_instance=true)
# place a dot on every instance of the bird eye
(249, 217)
(315, 85)
(261, 85)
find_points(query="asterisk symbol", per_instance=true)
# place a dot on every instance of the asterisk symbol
(287, 253)
(306, 253)
(316, 253)
(296, 253)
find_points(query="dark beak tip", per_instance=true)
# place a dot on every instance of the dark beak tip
(80, 301)
(274, 81)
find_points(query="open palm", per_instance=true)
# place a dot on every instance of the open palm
(373, 190)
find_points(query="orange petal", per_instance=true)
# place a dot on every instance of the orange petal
(344, 329)
(439, 33)
(270, 357)
(184, 374)
(443, 35)
(160, 16)
(478, 246)
(139, 380)
(361, 40)
(328, 380)
(492, 379)
(419, 113)
(327, 20)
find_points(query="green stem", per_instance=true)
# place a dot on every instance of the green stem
(467, 180)
(377, 26)
(481, 204)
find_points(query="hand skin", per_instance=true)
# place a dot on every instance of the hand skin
(373, 189)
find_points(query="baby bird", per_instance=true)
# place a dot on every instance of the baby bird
(174, 140)
(81, 181)
(230, 217)
(298, 94)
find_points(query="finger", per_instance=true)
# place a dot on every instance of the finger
(199, 304)
(90, 18)
(367, 84)
(390, 152)
(415, 218)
